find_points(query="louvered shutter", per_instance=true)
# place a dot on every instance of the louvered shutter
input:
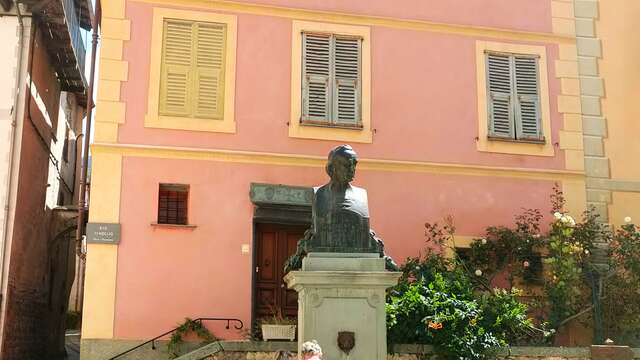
(500, 102)
(528, 99)
(316, 75)
(176, 65)
(347, 82)
(209, 70)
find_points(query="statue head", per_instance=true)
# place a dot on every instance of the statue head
(341, 165)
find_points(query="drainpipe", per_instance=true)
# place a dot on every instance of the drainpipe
(12, 135)
(85, 149)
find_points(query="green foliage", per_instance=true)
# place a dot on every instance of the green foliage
(511, 250)
(438, 302)
(622, 289)
(451, 304)
(277, 318)
(188, 326)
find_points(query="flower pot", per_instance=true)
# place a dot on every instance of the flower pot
(278, 332)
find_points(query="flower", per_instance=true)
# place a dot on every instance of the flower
(537, 236)
(564, 220)
(627, 220)
(435, 325)
(526, 264)
(478, 272)
(557, 215)
(473, 321)
(483, 241)
(586, 252)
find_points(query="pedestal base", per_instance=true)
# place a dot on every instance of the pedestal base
(350, 298)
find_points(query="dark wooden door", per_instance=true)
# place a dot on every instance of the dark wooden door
(274, 244)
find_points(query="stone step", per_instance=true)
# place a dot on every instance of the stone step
(202, 352)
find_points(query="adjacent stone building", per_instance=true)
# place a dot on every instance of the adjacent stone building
(43, 94)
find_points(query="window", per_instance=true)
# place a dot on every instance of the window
(331, 86)
(192, 74)
(173, 204)
(330, 82)
(514, 100)
(192, 71)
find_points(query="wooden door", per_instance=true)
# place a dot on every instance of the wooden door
(274, 245)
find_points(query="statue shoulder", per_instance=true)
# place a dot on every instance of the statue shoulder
(360, 192)
(320, 190)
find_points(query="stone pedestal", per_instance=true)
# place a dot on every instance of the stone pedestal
(343, 292)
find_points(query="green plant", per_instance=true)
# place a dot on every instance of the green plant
(277, 318)
(513, 252)
(439, 302)
(188, 326)
(622, 288)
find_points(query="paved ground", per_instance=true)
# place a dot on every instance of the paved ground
(72, 341)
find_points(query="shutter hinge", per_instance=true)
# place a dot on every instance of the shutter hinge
(257, 268)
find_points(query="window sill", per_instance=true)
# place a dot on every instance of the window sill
(330, 126)
(188, 123)
(174, 226)
(518, 141)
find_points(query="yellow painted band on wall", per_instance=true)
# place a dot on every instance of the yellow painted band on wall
(365, 20)
(100, 273)
(575, 194)
(266, 158)
(99, 291)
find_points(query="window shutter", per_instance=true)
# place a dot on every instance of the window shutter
(176, 64)
(528, 100)
(316, 73)
(209, 70)
(500, 100)
(347, 81)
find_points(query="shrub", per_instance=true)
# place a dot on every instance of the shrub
(439, 302)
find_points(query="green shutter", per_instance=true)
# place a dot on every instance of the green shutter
(316, 75)
(192, 72)
(500, 101)
(347, 81)
(528, 124)
(175, 98)
(209, 70)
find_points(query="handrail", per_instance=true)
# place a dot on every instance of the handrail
(200, 320)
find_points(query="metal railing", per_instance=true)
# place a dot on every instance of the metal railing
(73, 26)
(238, 326)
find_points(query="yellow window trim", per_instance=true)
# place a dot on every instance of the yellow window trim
(152, 119)
(296, 130)
(520, 148)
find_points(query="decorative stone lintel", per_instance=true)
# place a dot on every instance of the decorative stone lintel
(277, 194)
(337, 279)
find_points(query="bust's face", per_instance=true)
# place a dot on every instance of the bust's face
(344, 169)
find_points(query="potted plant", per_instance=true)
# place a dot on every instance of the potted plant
(278, 327)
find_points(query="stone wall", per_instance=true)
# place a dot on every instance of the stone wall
(262, 350)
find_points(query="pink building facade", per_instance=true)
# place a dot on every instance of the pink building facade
(426, 130)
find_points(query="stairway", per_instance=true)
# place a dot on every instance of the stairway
(202, 352)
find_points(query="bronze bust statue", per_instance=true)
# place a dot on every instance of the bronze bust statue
(340, 211)
(340, 214)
